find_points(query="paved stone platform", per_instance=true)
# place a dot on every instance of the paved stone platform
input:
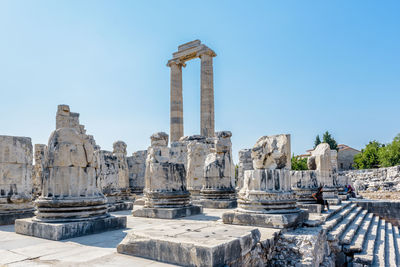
(93, 250)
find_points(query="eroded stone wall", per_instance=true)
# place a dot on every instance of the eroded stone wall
(15, 169)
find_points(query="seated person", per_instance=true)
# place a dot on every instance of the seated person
(318, 196)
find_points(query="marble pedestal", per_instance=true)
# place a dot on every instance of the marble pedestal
(64, 230)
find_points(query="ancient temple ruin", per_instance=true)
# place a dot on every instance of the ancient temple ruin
(188, 51)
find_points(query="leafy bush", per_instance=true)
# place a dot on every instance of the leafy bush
(299, 164)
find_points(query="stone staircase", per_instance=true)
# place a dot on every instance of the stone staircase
(362, 238)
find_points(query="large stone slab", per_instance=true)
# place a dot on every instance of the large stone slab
(168, 213)
(279, 221)
(200, 244)
(59, 231)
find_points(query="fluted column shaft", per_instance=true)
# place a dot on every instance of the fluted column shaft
(176, 123)
(207, 95)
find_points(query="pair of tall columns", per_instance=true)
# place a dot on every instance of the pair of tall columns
(207, 96)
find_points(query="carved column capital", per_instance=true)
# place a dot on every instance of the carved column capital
(206, 52)
(178, 62)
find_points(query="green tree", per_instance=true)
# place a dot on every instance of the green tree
(299, 164)
(327, 138)
(389, 155)
(317, 141)
(369, 156)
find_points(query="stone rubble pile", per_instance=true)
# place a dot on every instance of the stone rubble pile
(371, 180)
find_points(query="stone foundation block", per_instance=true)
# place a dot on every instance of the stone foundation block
(279, 221)
(216, 204)
(311, 207)
(9, 217)
(59, 231)
(196, 244)
(168, 213)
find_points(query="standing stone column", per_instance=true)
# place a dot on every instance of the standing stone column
(207, 93)
(166, 195)
(218, 190)
(71, 204)
(123, 171)
(176, 106)
(266, 198)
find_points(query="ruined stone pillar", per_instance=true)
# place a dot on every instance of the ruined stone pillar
(266, 198)
(71, 204)
(207, 93)
(218, 190)
(176, 108)
(165, 192)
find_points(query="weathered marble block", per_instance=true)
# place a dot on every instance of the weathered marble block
(304, 184)
(165, 192)
(15, 178)
(38, 168)
(266, 198)
(70, 194)
(198, 149)
(218, 190)
(321, 162)
(245, 163)
(137, 170)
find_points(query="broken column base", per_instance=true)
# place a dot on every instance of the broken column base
(216, 204)
(9, 217)
(59, 231)
(168, 213)
(270, 220)
(140, 201)
(125, 205)
(310, 207)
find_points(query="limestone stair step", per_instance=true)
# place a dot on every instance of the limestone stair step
(390, 248)
(366, 255)
(356, 244)
(396, 237)
(334, 220)
(341, 227)
(379, 252)
(315, 221)
(349, 234)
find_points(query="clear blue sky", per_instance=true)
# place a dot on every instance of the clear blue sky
(298, 67)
